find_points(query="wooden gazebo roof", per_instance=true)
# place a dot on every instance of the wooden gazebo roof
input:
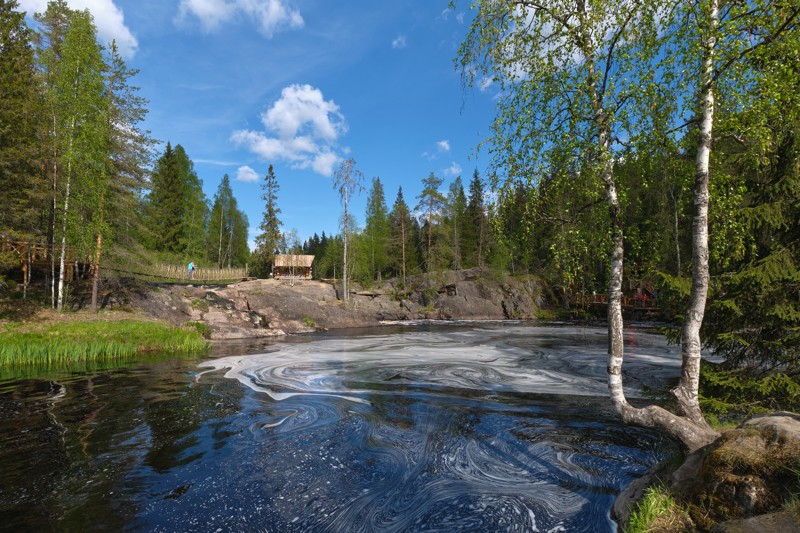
(293, 260)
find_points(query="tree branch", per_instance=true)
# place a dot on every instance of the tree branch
(767, 40)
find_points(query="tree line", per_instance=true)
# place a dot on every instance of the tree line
(76, 167)
(438, 231)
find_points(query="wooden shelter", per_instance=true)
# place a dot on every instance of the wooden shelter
(292, 266)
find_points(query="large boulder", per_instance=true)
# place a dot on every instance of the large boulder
(740, 482)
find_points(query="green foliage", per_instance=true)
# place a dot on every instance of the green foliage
(657, 507)
(227, 229)
(68, 342)
(177, 212)
(201, 328)
(20, 114)
(376, 232)
(431, 206)
(309, 322)
(270, 238)
(740, 393)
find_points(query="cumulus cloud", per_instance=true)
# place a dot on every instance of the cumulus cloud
(271, 16)
(301, 127)
(442, 147)
(453, 170)
(246, 173)
(399, 42)
(109, 19)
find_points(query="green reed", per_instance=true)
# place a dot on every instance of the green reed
(72, 342)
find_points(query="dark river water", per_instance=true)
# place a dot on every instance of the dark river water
(472, 427)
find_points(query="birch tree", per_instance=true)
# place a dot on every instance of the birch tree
(53, 24)
(567, 73)
(717, 36)
(81, 118)
(348, 180)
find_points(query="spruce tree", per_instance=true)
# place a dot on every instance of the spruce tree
(270, 238)
(165, 203)
(401, 236)
(21, 178)
(457, 221)
(376, 232)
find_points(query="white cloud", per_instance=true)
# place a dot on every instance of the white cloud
(271, 16)
(246, 173)
(453, 170)
(443, 146)
(399, 42)
(485, 84)
(109, 19)
(301, 127)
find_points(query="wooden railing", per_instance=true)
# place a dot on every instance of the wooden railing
(200, 273)
(584, 300)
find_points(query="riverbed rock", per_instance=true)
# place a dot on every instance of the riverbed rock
(263, 308)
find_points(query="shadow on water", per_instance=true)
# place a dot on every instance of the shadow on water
(475, 427)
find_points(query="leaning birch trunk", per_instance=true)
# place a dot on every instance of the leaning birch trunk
(686, 393)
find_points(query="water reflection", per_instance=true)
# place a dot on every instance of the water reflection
(471, 428)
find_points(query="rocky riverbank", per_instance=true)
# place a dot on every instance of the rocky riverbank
(264, 308)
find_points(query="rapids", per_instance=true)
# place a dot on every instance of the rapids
(464, 427)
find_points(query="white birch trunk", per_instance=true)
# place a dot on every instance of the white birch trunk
(686, 392)
(344, 258)
(61, 267)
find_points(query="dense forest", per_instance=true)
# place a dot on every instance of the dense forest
(624, 136)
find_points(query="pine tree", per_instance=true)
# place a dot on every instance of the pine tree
(270, 240)
(431, 205)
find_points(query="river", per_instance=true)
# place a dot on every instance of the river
(464, 427)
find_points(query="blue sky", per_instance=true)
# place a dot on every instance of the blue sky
(302, 84)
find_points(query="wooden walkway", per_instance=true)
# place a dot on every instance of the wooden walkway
(38, 255)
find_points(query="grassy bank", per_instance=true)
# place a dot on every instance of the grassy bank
(92, 340)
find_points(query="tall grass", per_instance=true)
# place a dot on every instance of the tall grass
(86, 341)
(657, 510)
